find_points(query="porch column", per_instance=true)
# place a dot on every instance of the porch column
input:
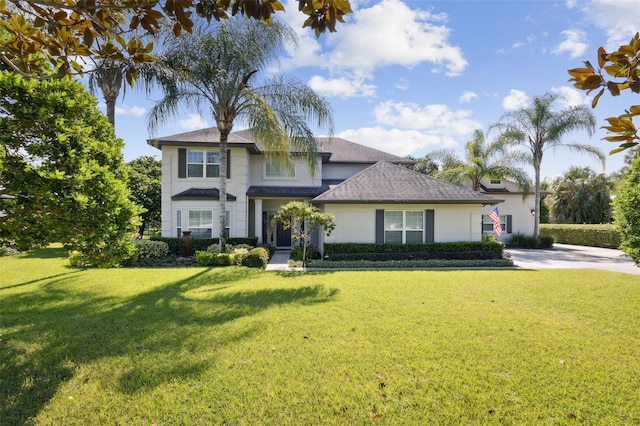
(257, 216)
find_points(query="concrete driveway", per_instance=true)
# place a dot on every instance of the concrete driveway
(569, 256)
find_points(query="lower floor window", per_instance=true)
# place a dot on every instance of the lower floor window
(403, 226)
(487, 224)
(200, 223)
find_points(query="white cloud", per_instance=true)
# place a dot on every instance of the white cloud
(193, 122)
(467, 96)
(618, 18)
(574, 43)
(386, 33)
(515, 100)
(134, 110)
(341, 87)
(408, 128)
(529, 40)
(435, 118)
(568, 97)
(399, 142)
(402, 84)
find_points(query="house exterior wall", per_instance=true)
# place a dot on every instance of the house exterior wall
(303, 176)
(356, 223)
(237, 186)
(341, 170)
(520, 211)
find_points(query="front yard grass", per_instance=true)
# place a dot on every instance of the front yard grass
(201, 346)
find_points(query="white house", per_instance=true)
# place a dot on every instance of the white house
(516, 209)
(374, 197)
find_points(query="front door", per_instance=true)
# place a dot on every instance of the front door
(283, 236)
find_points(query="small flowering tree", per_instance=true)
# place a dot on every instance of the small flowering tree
(303, 219)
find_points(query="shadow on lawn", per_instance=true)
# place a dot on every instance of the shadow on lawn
(47, 253)
(72, 328)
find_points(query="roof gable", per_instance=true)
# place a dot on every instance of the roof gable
(344, 151)
(333, 150)
(388, 183)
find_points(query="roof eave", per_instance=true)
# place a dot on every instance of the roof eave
(482, 202)
(251, 147)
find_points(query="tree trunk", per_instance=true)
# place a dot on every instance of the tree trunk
(224, 135)
(536, 216)
(110, 101)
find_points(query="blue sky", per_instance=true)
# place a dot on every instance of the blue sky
(409, 77)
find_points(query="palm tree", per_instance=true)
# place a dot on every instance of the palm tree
(539, 127)
(580, 196)
(108, 77)
(482, 160)
(221, 71)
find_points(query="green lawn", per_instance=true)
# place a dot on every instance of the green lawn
(199, 346)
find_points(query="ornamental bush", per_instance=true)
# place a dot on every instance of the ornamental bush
(296, 253)
(605, 235)
(257, 258)
(205, 258)
(150, 250)
(627, 212)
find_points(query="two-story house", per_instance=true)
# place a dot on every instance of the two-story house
(374, 197)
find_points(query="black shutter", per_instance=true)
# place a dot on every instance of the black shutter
(379, 226)
(182, 163)
(429, 225)
(228, 164)
(509, 223)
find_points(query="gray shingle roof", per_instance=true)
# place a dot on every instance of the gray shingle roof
(291, 191)
(205, 137)
(332, 150)
(201, 194)
(389, 183)
(344, 151)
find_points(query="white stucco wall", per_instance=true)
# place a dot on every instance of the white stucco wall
(237, 186)
(342, 171)
(355, 223)
(520, 211)
(303, 173)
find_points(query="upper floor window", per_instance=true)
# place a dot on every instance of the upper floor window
(203, 163)
(403, 226)
(280, 169)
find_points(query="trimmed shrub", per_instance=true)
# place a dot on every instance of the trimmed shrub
(222, 259)
(583, 235)
(8, 251)
(271, 249)
(257, 258)
(205, 258)
(296, 253)
(204, 243)
(150, 250)
(238, 255)
(330, 249)
(232, 248)
(414, 251)
(530, 242)
(545, 241)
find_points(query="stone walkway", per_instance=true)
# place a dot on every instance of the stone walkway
(279, 261)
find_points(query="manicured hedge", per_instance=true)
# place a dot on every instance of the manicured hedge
(413, 251)
(203, 243)
(583, 235)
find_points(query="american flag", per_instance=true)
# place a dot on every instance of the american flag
(495, 217)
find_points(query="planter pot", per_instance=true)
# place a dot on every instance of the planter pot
(185, 244)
